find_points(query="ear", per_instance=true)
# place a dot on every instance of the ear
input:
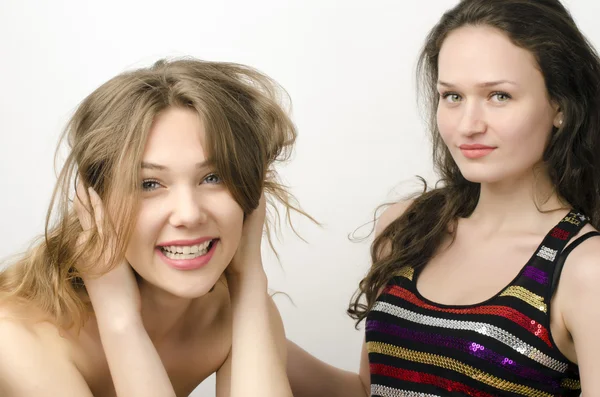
(558, 116)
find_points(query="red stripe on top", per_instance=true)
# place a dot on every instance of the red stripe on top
(423, 378)
(509, 313)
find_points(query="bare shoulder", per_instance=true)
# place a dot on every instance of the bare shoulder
(20, 342)
(582, 266)
(390, 214)
(575, 296)
(18, 320)
(580, 276)
(33, 360)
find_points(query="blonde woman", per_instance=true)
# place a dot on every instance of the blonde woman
(149, 277)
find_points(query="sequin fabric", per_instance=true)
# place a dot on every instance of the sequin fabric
(502, 347)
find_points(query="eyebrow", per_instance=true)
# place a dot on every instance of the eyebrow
(483, 85)
(158, 167)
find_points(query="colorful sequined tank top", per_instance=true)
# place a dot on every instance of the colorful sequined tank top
(501, 347)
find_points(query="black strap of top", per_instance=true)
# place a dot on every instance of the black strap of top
(563, 256)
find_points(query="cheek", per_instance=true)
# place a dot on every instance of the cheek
(531, 120)
(229, 219)
(445, 123)
(524, 132)
(227, 213)
(232, 219)
(446, 132)
(145, 231)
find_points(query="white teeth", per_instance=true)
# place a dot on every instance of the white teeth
(183, 256)
(184, 249)
(187, 251)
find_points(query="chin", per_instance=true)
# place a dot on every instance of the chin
(190, 291)
(485, 179)
(484, 174)
(190, 285)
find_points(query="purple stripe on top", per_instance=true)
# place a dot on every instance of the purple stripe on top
(464, 345)
(536, 275)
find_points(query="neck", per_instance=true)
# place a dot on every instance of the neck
(510, 205)
(163, 314)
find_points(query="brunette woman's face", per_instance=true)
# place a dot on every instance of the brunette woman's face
(494, 113)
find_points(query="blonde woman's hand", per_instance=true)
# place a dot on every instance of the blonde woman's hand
(114, 295)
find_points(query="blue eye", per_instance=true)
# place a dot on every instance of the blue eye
(213, 179)
(149, 185)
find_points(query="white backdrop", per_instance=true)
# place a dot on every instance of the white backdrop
(348, 66)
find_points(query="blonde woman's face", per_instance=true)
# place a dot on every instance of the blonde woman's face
(189, 226)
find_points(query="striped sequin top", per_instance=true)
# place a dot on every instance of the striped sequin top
(501, 347)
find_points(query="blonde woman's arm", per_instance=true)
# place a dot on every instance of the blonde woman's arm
(310, 376)
(135, 366)
(276, 326)
(256, 365)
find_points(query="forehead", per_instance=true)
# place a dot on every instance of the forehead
(176, 135)
(476, 54)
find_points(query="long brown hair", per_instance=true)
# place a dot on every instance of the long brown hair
(571, 69)
(247, 130)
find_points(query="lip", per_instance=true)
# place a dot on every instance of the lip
(474, 146)
(186, 242)
(188, 264)
(475, 151)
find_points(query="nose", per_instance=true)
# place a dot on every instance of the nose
(472, 119)
(187, 210)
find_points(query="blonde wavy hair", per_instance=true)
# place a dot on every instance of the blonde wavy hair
(247, 131)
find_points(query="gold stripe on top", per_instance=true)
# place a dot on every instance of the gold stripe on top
(406, 271)
(385, 391)
(571, 384)
(526, 296)
(454, 365)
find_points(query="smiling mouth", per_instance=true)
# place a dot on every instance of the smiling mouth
(186, 252)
